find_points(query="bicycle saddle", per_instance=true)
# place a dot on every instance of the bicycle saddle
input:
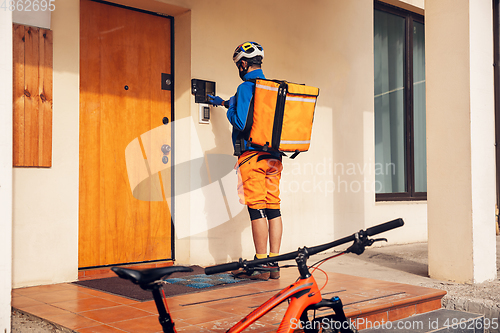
(148, 279)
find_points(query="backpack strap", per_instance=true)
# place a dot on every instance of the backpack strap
(248, 158)
(279, 114)
(296, 152)
(268, 157)
(239, 145)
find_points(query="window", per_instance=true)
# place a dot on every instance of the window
(400, 146)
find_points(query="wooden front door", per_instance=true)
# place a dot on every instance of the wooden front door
(123, 54)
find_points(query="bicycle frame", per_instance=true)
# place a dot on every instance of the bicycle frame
(302, 293)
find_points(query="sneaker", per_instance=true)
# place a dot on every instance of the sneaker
(252, 274)
(275, 270)
(260, 272)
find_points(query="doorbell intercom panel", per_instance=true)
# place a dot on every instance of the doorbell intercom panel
(201, 88)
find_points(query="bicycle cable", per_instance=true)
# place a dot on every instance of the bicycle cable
(321, 262)
(326, 276)
(318, 263)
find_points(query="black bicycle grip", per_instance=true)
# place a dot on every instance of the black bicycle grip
(222, 268)
(384, 227)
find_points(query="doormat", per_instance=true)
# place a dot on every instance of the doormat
(177, 284)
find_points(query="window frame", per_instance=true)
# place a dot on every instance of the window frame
(410, 194)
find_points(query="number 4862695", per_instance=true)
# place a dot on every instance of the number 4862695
(28, 5)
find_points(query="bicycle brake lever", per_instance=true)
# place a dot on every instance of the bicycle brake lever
(361, 241)
(369, 241)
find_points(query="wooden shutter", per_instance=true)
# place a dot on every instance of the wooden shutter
(32, 93)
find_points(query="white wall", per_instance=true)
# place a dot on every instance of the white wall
(483, 140)
(5, 169)
(46, 199)
(40, 18)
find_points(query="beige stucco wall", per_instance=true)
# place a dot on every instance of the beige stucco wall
(331, 48)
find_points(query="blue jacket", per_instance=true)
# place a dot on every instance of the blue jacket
(238, 111)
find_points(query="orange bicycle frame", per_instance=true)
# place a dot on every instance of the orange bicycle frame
(302, 293)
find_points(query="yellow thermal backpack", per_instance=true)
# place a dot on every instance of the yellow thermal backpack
(281, 117)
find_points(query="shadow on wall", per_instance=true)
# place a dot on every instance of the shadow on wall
(207, 180)
(225, 240)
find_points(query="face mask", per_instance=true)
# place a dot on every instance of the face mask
(242, 71)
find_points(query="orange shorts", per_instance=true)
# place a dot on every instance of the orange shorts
(259, 175)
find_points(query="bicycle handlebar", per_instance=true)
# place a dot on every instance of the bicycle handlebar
(231, 266)
(384, 227)
(310, 251)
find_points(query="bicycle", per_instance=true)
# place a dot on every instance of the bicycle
(303, 295)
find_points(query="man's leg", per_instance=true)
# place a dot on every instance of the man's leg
(252, 192)
(273, 176)
(259, 233)
(275, 233)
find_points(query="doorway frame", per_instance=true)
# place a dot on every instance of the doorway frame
(496, 70)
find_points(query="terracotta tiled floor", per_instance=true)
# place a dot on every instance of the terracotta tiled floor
(86, 310)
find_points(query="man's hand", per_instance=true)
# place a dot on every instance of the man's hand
(215, 100)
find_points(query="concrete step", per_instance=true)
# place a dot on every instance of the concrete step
(442, 320)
